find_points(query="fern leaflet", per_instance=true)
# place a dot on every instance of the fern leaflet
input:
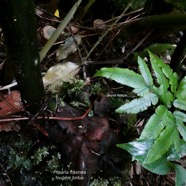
(139, 105)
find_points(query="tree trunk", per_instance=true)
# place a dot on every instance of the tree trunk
(17, 18)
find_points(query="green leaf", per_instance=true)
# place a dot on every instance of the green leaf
(155, 90)
(169, 118)
(163, 82)
(180, 175)
(174, 82)
(161, 144)
(141, 91)
(180, 104)
(175, 155)
(181, 91)
(125, 77)
(181, 128)
(165, 96)
(161, 48)
(161, 166)
(173, 78)
(158, 49)
(145, 72)
(167, 71)
(180, 116)
(161, 79)
(177, 140)
(139, 150)
(138, 105)
(154, 126)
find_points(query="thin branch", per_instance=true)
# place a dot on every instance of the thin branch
(5, 173)
(106, 32)
(49, 118)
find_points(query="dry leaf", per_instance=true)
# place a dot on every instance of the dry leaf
(10, 104)
(69, 47)
(47, 31)
(99, 24)
(63, 72)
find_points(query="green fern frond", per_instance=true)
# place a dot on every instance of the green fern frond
(167, 71)
(180, 175)
(145, 72)
(165, 96)
(177, 140)
(176, 155)
(160, 77)
(139, 149)
(180, 116)
(165, 131)
(181, 128)
(180, 104)
(138, 105)
(180, 119)
(141, 91)
(122, 76)
(159, 148)
(155, 124)
(181, 90)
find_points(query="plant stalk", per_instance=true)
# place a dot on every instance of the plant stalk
(59, 30)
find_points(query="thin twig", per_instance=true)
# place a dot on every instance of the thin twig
(7, 87)
(138, 45)
(6, 174)
(75, 41)
(108, 43)
(49, 118)
(106, 32)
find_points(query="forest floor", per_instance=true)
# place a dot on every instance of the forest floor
(80, 147)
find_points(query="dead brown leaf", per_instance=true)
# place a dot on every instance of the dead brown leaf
(10, 104)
